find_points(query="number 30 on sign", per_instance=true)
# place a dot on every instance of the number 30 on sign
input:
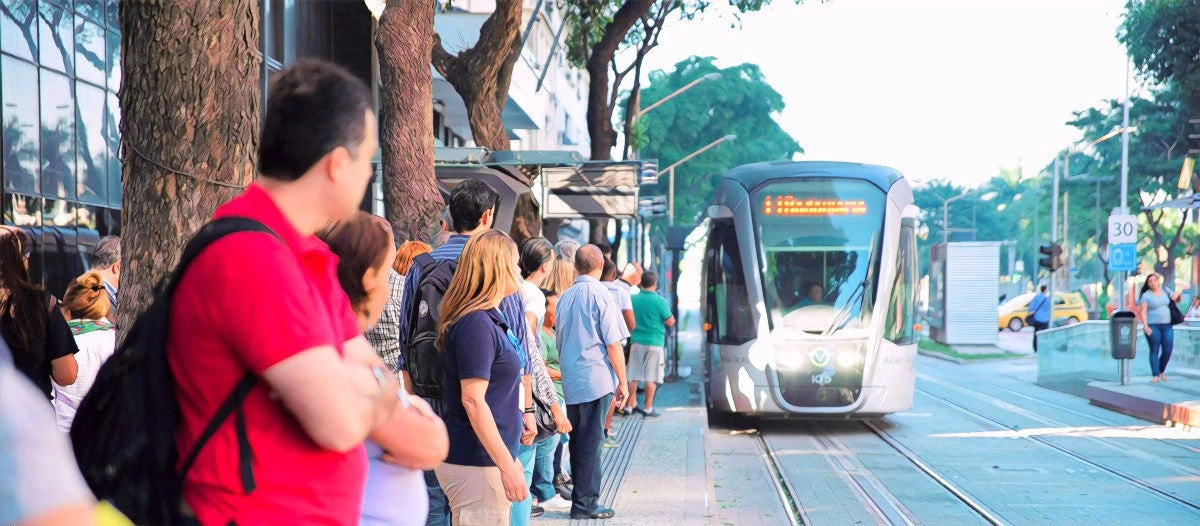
(1122, 229)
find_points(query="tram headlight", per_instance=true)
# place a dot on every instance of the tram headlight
(849, 358)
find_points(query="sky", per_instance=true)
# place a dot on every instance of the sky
(937, 89)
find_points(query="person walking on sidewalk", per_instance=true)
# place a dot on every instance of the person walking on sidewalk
(1039, 314)
(483, 366)
(646, 362)
(270, 307)
(472, 211)
(1154, 311)
(590, 329)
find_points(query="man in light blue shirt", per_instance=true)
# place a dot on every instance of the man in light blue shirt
(590, 329)
(1039, 309)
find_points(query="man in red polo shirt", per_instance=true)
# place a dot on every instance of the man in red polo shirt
(272, 306)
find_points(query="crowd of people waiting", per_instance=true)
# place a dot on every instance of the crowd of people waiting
(469, 382)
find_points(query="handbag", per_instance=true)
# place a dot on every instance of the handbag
(1029, 317)
(544, 418)
(1176, 314)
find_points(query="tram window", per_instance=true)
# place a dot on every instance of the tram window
(728, 302)
(902, 308)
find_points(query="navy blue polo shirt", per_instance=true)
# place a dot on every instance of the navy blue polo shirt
(478, 346)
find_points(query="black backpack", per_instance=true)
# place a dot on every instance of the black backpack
(124, 432)
(422, 359)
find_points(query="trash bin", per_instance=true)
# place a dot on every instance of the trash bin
(1122, 328)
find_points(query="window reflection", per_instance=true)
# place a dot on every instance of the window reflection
(92, 153)
(111, 14)
(57, 38)
(112, 135)
(89, 52)
(21, 128)
(60, 250)
(58, 136)
(114, 61)
(26, 212)
(93, 9)
(18, 28)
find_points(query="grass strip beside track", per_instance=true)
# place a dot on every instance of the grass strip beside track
(940, 348)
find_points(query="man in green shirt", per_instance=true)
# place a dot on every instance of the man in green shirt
(652, 316)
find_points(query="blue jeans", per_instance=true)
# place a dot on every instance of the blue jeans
(521, 510)
(439, 505)
(542, 486)
(1162, 340)
(558, 454)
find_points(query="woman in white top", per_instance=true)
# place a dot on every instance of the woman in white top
(413, 438)
(1194, 311)
(86, 307)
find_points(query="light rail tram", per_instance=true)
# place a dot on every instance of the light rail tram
(809, 288)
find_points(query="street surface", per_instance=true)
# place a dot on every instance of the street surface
(982, 444)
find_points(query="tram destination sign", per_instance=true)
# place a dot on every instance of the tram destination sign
(786, 205)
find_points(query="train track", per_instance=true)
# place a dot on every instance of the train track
(880, 503)
(1133, 480)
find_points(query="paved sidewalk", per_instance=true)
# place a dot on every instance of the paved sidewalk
(1176, 401)
(659, 474)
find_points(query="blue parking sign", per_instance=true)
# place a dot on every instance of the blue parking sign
(1122, 258)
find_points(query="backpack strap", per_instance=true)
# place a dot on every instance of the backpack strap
(425, 262)
(208, 235)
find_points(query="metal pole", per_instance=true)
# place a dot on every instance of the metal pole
(1066, 219)
(1124, 178)
(945, 218)
(1054, 222)
(671, 196)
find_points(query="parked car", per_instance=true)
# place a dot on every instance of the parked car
(1067, 305)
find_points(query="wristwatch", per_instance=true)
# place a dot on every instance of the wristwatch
(529, 410)
(380, 374)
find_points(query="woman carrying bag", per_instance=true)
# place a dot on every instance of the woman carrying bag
(1159, 314)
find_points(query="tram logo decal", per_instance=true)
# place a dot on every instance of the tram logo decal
(819, 357)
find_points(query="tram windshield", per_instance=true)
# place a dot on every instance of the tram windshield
(821, 240)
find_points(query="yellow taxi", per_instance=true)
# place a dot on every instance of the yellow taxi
(1069, 305)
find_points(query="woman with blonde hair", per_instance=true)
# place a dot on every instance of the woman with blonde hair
(562, 271)
(482, 475)
(87, 307)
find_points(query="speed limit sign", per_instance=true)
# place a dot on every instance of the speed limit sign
(1122, 229)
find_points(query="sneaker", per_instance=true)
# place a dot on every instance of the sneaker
(611, 442)
(537, 511)
(651, 413)
(623, 412)
(556, 503)
(564, 487)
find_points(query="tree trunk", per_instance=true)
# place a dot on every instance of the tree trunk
(481, 75)
(412, 200)
(600, 109)
(190, 113)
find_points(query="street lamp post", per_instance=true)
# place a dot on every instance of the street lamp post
(946, 215)
(671, 173)
(643, 111)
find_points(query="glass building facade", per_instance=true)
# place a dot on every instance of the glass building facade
(60, 72)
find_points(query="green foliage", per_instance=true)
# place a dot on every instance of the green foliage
(1163, 40)
(741, 102)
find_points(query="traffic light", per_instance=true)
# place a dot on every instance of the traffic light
(648, 174)
(653, 207)
(1052, 259)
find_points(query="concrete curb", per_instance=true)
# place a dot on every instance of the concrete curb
(963, 361)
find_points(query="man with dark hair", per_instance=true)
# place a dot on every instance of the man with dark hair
(284, 321)
(605, 250)
(646, 359)
(107, 261)
(472, 210)
(621, 296)
(589, 330)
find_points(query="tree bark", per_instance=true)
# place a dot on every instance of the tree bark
(482, 73)
(600, 109)
(412, 201)
(190, 113)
